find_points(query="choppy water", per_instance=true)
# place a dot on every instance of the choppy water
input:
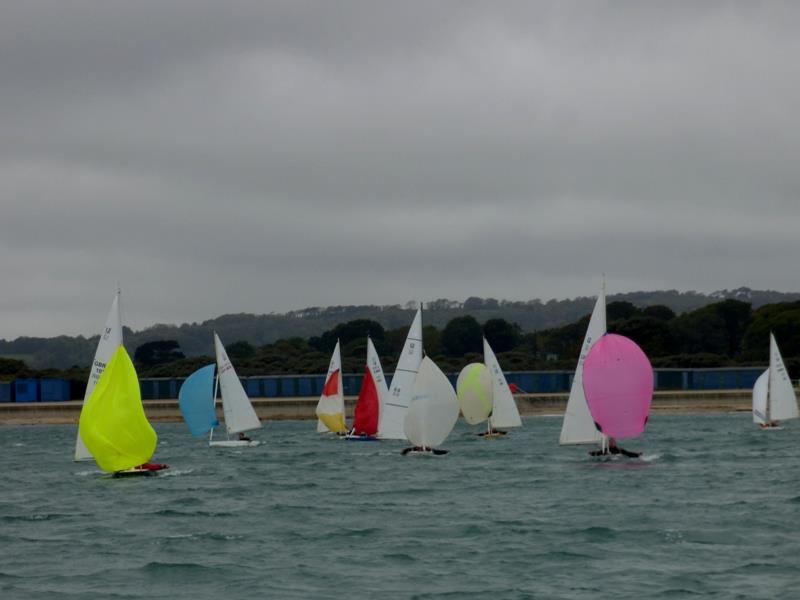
(714, 510)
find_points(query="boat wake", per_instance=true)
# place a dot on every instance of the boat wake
(175, 472)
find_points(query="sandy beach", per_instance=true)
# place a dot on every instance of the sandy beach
(43, 413)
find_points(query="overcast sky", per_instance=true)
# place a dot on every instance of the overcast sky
(216, 157)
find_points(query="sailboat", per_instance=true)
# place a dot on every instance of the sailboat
(330, 408)
(236, 407)
(504, 413)
(110, 340)
(618, 384)
(578, 426)
(433, 410)
(113, 425)
(774, 399)
(371, 399)
(399, 398)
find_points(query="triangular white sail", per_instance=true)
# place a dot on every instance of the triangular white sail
(433, 410)
(504, 409)
(375, 368)
(760, 392)
(399, 397)
(332, 404)
(110, 340)
(782, 401)
(578, 426)
(239, 413)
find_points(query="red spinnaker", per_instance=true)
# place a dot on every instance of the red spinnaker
(367, 411)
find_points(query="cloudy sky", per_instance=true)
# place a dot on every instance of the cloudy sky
(217, 157)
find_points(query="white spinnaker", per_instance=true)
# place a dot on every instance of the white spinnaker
(374, 366)
(239, 413)
(782, 401)
(399, 395)
(504, 411)
(578, 426)
(332, 405)
(433, 410)
(760, 392)
(110, 340)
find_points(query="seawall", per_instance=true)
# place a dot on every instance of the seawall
(38, 413)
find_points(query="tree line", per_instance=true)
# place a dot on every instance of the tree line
(726, 333)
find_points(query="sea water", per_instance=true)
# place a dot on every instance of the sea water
(713, 510)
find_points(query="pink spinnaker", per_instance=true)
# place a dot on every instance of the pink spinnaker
(618, 384)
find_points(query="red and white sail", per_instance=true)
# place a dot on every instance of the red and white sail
(330, 408)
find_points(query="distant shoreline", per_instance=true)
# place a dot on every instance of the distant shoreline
(167, 411)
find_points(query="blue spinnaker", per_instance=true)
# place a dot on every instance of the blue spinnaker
(196, 401)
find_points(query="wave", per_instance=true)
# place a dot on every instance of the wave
(35, 517)
(171, 512)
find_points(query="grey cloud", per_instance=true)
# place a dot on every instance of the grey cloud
(218, 157)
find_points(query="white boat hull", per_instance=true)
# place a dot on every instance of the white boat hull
(233, 443)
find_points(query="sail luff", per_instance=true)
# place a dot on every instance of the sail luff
(375, 368)
(400, 391)
(578, 426)
(110, 340)
(781, 398)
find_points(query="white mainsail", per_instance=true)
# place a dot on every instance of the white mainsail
(110, 340)
(782, 401)
(239, 413)
(433, 410)
(578, 426)
(332, 404)
(399, 396)
(375, 368)
(504, 408)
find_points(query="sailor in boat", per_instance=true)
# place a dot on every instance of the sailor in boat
(148, 466)
(613, 448)
(361, 435)
(492, 433)
(770, 424)
(244, 438)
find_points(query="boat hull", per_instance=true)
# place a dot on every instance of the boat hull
(135, 473)
(234, 444)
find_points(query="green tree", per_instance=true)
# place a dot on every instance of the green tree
(654, 336)
(347, 332)
(659, 311)
(501, 335)
(717, 328)
(620, 310)
(157, 352)
(241, 350)
(783, 320)
(461, 336)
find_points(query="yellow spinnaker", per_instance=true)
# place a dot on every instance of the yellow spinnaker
(334, 422)
(113, 424)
